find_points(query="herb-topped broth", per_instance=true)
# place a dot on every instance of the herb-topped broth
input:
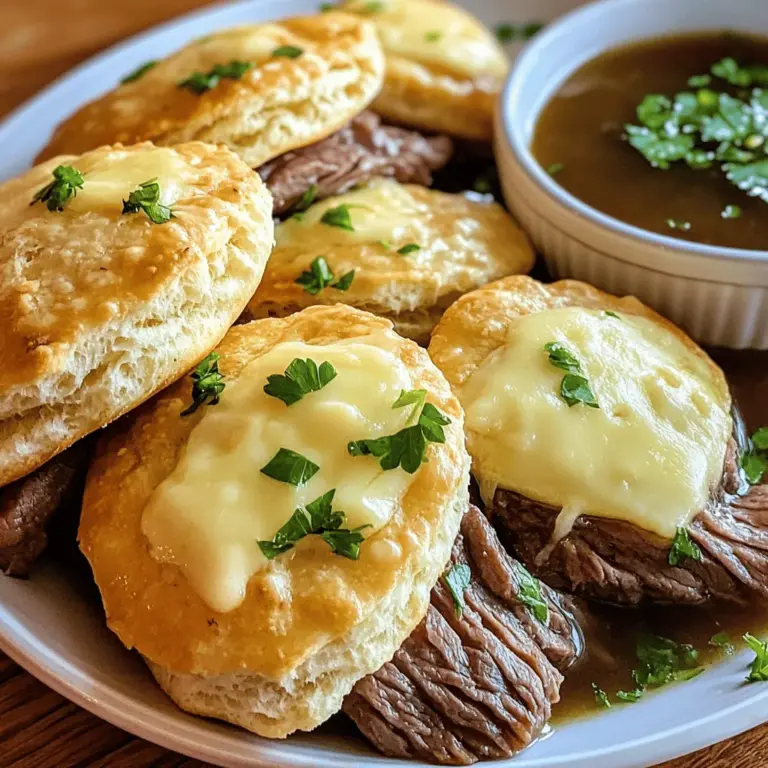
(668, 135)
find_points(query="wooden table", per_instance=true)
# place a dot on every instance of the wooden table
(39, 40)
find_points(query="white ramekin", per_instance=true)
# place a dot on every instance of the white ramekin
(719, 295)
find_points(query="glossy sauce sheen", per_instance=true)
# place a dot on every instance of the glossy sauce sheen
(582, 127)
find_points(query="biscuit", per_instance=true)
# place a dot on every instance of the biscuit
(444, 68)
(280, 103)
(309, 624)
(413, 252)
(101, 309)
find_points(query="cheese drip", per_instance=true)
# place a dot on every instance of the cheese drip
(650, 455)
(211, 511)
(106, 185)
(443, 37)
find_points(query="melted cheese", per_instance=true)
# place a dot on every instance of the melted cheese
(106, 185)
(208, 515)
(382, 211)
(438, 35)
(650, 454)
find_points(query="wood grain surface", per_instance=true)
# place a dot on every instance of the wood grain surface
(40, 40)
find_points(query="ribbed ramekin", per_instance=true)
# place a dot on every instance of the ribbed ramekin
(718, 295)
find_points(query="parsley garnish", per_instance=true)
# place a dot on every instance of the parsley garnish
(609, 313)
(754, 461)
(305, 200)
(300, 378)
(683, 546)
(699, 81)
(316, 518)
(433, 37)
(325, 7)
(601, 697)
(138, 72)
(457, 580)
(554, 168)
(290, 467)
(744, 77)
(373, 7)
(319, 276)
(529, 594)
(338, 217)
(288, 52)
(663, 661)
(506, 33)
(66, 181)
(731, 212)
(629, 697)
(758, 669)
(408, 249)
(406, 448)
(146, 197)
(200, 82)
(208, 383)
(721, 640)
(574, 387)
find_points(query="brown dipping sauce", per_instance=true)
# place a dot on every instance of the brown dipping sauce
(583, 125)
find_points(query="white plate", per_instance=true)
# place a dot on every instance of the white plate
(53, 625)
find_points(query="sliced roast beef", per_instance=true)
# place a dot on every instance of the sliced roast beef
(27, 506)
(478, 685)
(617, 562)
(360, 151)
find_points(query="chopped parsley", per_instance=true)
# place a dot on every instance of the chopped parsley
(146, 197)
(290, 467)
(303, 203)
(200, 82)
(554, 168)
(731, 212)
(320, 519)
(338, 217)
(207, 383)
(663, 661)
(683, 546)
(758, 669)
(601, 697)
(457, 580)
(507, 33)
(373, 7)
(406, 448)
(609, 313)
(433, 37)
(529, 594)
(319, 276)
(629, 697)
(288, 52)
(66, 181)
(574, 387)
(699, 81)
(408, 248)
(300, 378)
(744, 77)
(325, 7)
(721, 640)
(139, 72)
(754, 461)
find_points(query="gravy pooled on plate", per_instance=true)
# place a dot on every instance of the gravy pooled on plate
(701, 107)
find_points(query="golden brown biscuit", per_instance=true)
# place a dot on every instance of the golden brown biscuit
(413, 251)
(99, 308)
(444, 68)
(274, 647)
(306, 78)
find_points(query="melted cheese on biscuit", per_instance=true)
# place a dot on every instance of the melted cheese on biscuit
(209, 514)
(106, 185)
(438, 35)
(650, 455)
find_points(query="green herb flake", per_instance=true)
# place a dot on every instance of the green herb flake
(699, 81)
(406, 448)
(609, 313)
(601, 697)
(146, 198)
(317, 518)
(433, 37)
(574, 388)
(338, 217)
(373, 7)
(343, 283)
(760, 439)
(683, 547)
(325, 7)
(531, 28)
(287, 52)
(758, 669)
(290, 467)
(731, 212)
(662, 661)
(207, 383)
(66, 181)
(385, 244)
(301, 378)
(506, 33)
(306, 200)
(754, 461)
(200, 82)
(554, 168)
(408, 249)
(317, 277)
(529, 594)
(457, 580)
(629, 697)
(139, 72)
(721, 640)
